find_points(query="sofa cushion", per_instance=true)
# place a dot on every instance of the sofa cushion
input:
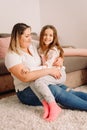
(3, 69)
(4, 44)
(74, 63)
(5, 41)
(5, 35)
(34, 36)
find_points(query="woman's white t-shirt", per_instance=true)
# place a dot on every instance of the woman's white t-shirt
(27, 60)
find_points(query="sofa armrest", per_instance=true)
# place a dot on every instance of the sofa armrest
(75, 63)
(75, 51)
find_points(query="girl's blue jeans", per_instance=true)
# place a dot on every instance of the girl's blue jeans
(68, 99)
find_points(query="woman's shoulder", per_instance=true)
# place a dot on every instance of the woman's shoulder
(12, 59)
(11, 54)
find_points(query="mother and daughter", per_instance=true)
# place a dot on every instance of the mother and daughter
(38, 71)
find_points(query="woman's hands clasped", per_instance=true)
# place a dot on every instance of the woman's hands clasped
(55, 72)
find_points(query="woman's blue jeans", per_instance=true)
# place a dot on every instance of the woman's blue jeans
(68, 99)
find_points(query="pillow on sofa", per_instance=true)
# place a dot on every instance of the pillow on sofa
(4, 44)
(34, 36)
(5, 41)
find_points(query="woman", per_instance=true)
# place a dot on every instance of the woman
(21, 48)
(25, 55)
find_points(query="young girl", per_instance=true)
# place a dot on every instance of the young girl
(49, 50)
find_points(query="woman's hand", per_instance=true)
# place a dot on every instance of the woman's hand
(55, 72)
(58, 62)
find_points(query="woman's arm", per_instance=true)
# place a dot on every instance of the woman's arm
(18, 72)
(58, 62)
(75, 52)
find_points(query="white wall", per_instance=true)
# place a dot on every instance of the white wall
(13, 11)
(70, 18)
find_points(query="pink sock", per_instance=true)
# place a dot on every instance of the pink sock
(54, 111)
(46, 109)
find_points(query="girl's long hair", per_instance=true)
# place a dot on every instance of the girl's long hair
(55, 40)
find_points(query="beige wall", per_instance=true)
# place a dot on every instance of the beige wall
(13, 11)
(70, 18)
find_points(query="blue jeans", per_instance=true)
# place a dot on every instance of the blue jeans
(68, 99)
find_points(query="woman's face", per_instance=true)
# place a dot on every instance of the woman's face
(48, 36)
(25, 38)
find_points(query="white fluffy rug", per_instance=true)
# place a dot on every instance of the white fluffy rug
(16, 116)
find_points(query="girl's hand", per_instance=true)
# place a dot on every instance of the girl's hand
(58, 62)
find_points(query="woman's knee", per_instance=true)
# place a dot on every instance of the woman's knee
(55, 89)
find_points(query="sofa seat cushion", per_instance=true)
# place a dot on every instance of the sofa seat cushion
(3, 69)
(76, 78)
(6, 83)
(74, 63)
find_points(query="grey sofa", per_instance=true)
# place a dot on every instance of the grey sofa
(76, 68)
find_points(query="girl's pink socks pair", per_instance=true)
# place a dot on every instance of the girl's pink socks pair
(51, 110)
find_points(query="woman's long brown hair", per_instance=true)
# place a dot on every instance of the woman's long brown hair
(17, 31)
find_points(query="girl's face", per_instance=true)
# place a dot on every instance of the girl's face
(25, 38)
(48, 36)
